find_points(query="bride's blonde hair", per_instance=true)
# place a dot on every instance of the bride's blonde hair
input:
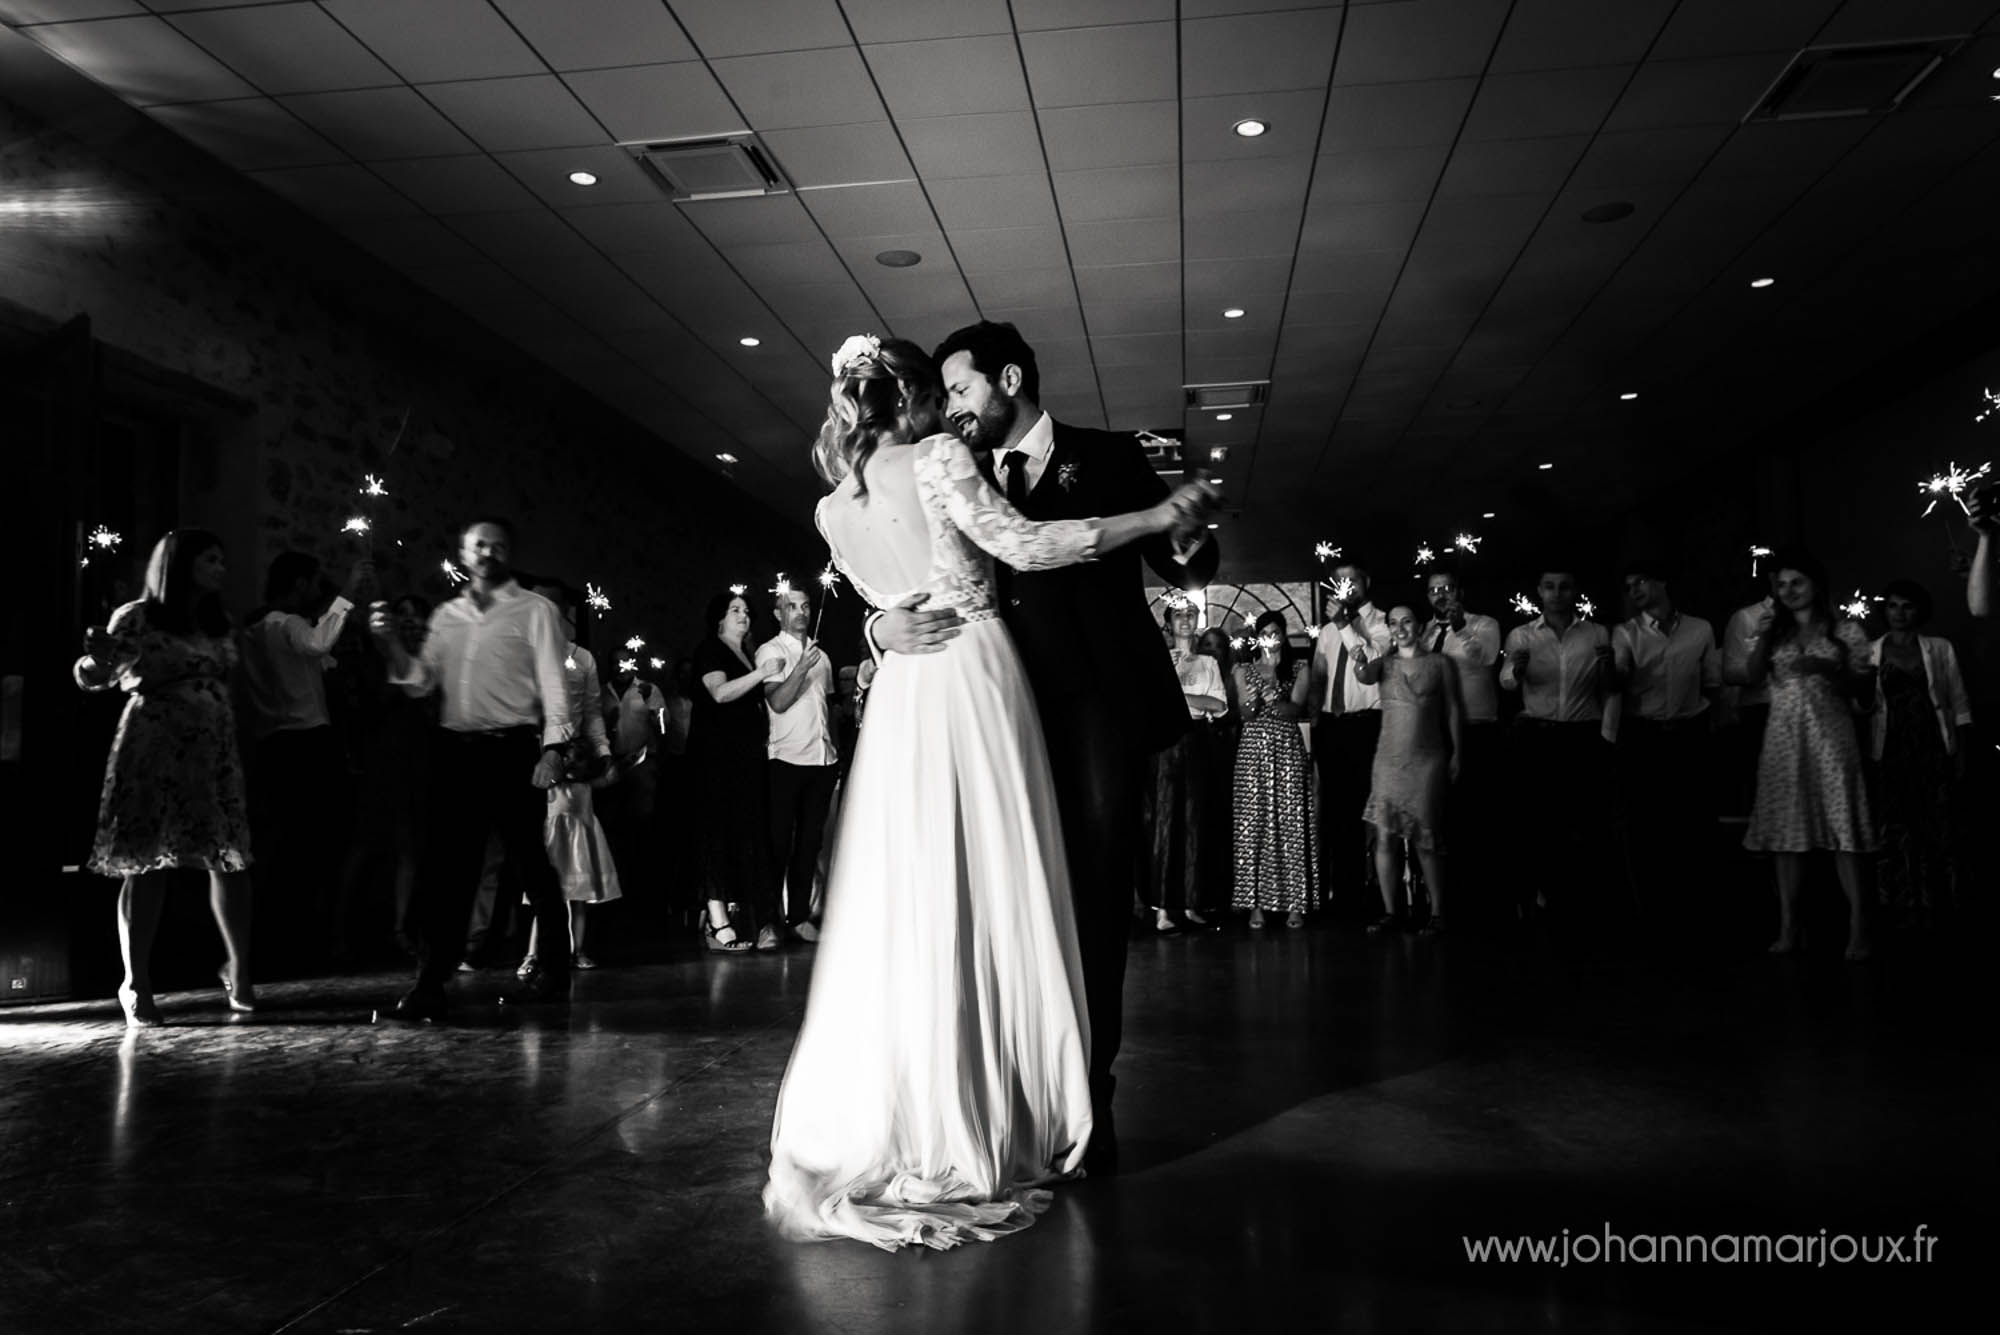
(874, 390)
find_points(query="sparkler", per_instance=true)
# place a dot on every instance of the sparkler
(738, 590)
(1468, 543)
(1326, 551)
(104, 540)
(1992, 405)
(594, 599)
(452, 573)
(1586, 608)
(371, 485)
(627, 665)
(1857, 607)
(1342, 588)
(636, 643)
(829, 584)
(357, 525)
(782, 587)
(658, 663)
(1757, 554)
(1424, 554)
(1525, 605)
(1952, 482)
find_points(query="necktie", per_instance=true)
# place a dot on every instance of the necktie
(1338, 704)
(1437, 646)
(1016, 462)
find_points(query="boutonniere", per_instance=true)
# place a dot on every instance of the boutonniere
(1066, 475)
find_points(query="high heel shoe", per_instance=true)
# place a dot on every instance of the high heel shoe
(139, 1014)
(241, 1005)
(711, 937)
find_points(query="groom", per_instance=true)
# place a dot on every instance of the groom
(1102, 678)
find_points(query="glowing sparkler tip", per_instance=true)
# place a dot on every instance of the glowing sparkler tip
(1425, 555)
(657, 663)
(372, 485)
(628, 665)
(104, 539)
(782, 587)
(636, 643)
(739, 589)
(1525, 605)
(594, 599)
(1586, 608)
(1326, 551)
(1467, 542)
(452, 572)
(358, 524)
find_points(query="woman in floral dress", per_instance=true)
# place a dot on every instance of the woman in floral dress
(173, 787)
(1811, 792)
(1277, 862)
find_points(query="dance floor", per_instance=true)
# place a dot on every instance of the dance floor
(1314, 1125)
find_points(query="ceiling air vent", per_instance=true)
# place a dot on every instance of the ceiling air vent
(1241, 394)
(731, 168)
(1824, 81)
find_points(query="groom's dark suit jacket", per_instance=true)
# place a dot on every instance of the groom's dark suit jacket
(1085, 629)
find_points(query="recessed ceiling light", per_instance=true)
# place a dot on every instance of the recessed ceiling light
(1545, 467)
(583, 178)
(1218, 453)
(1215, 526)
(1487, 515)
(1605, 213)
(725, 458)
(899, 259)
(1762, 282)
(750, 341)
(1629, 395)
(1233, 313)
(1251, 127)
(1224, 417)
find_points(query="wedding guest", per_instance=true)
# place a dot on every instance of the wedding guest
(727, 737)
(804, 765)
(173, 784)
(1277, 856)
(1218, 840)
(495, 655)
(577, 848)
(1344, 733)
(1471, 642)
(1177, 800)
(1811, 795)
(298, 788)
(1914, 740)
(630, 809)
(1561, 664)
(1416, 762)
(1742, 708)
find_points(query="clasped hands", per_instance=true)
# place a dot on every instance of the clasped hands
(1188, 511)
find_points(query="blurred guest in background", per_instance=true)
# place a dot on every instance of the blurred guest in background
(727, 738)
(804, 766)
(1177, 800)
(1914, 739)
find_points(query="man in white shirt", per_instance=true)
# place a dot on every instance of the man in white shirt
(805, 763)
(1667, 665)
(1562, 666)
(298, 788)
(1347, 726)
(495, 653)
(1742, 708)
(1472, 642)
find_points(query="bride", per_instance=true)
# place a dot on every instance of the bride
(941, 1075)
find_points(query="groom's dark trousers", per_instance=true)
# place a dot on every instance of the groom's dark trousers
(1108, 696)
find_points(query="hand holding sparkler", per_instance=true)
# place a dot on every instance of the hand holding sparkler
(829, 586)
(1757, 555)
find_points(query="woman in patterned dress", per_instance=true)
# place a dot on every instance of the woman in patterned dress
(173, 787)
(1811, 793)
(1277, 863)
(1416, 762)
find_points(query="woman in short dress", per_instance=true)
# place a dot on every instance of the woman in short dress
(1416, 762)
(1811, 793)
(1277, 860)
(173, 786)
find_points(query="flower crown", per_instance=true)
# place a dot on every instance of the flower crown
(857, 353)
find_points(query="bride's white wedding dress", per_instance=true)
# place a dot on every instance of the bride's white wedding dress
(941, 1075)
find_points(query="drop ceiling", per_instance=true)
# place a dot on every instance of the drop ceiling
(1406, 243)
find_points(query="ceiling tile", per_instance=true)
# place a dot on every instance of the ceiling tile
(732, 28)
(1799, 147)
(337, 192)
(1647, 157)
(471, 184)
(871, 210)
(911, 295)
(958, 76)
(1564, 34)
(1128, 134)
(593, 34)
(1261, 185)
(521, 239)
(1040, 324)
(1117, 351)
(1395, 115)
(248, 133)
(507, 115)
(1695, 92)
(1132, 317)
(840, 155)
(1119, 192)
(839, 303)
(477, 286)
(1208, 125)
(790, 262)
(994, 201)
(1439, 39)
(1001, 144)
(374, 123)
(1075, 67)
(1347, 270)
(285, 48)
(438, 39)
(1729, 27)
(1242, 235)
(619, 229)
(1033, 288)
(1377, 176)
(992, 250)
(1128, 283)
(1206, 9)
(766, 220)
(1511, 166)
(1235, 343)
(1551, 102)
(1899, 20)
(788, 89)
(1235, 281)
(23, 12)
(620, 179)
(1254, 53)
(1033, 15)
(143, 60)
(900, 21)
(651, 103)
(860, 253)
(1363, 226)
(1126, 241)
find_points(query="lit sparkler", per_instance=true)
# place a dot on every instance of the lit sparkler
(636, 643)
(1468, 543)
(782, 587)
(1525, 605)
(1858, 607)
(452, 573)
(1326, 551)
(1757, 555)
(1952, 482)
(1342, 588)
(1992, 405)
(357, 525)
(594, 599)
(1586, 608)
(738, 590)
(829, 583)
(371, 485)
(105, 540)
(628, 665)
(1424, 554)
(658, 663)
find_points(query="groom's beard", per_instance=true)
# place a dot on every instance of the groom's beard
(990, 427)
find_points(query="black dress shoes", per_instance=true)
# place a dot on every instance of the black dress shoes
(540, 987)
(417, 1006)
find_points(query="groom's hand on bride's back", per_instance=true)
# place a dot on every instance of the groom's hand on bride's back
(914, 629)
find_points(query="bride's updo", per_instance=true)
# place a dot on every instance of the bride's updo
(877, 383)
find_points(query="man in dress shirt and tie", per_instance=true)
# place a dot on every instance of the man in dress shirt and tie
(1348, 725)
(495, 652)
(805, 762)
(1562, 666)
(1666, 663)
(1472, 643)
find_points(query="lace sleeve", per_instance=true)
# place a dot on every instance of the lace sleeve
(946, 466)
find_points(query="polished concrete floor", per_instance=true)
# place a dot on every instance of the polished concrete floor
(1313, 1121)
